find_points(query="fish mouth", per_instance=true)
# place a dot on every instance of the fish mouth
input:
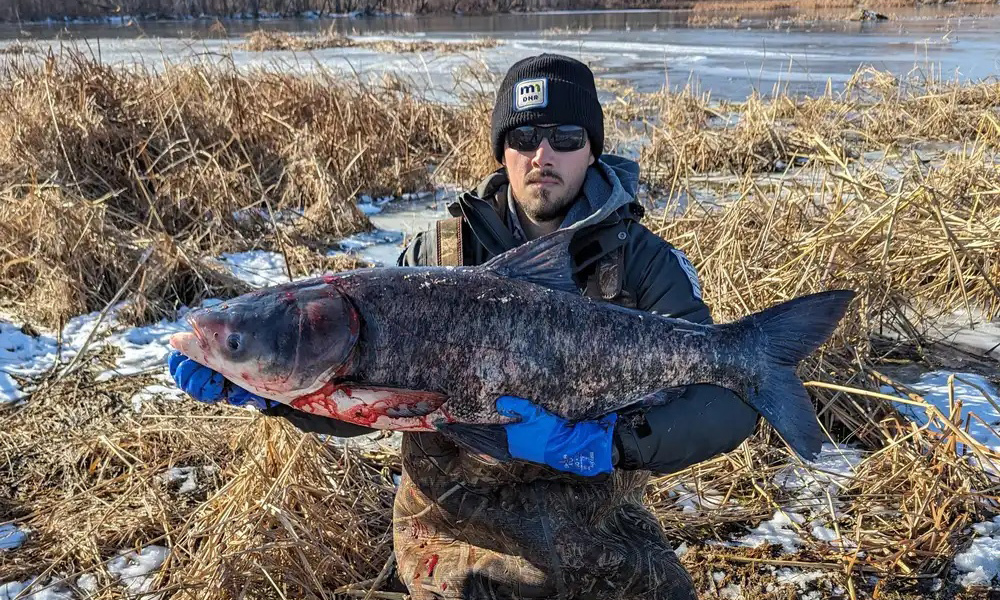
(197, 332)
(190, 343)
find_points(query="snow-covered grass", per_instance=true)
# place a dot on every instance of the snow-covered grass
(782, 529)
(143, 349)
(977, 395)
(135, 569)
(259, 268)
(19, 590)
(814, 492)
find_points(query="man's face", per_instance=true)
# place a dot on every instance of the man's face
(546, 182)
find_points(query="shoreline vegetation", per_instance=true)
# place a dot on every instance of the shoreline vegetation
(122, 185)
(29, 11)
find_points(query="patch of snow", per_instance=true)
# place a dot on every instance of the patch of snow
(87, 583)
(187, 475)
(732, 591)
(934, 388)
(380, 247)
(813, 490)
(11, 537)
(980, 564)
(22, 590)
(259, 268)
(22, 355)
(830, 473)
(144, 349)
(799, 578)
(824, 534)
(694, 500)
(681, 550)
(167, 390)
(134, 569)
(779, 530)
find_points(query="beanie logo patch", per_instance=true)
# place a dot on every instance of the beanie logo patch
(531, 93)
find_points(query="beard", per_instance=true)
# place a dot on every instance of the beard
(544, 204)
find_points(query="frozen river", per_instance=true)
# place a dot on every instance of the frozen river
(645, 48)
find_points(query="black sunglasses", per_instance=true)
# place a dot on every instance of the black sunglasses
(562, 138)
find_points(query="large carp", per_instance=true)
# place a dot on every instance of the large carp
(432, 348)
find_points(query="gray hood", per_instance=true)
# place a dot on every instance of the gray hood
(611, 183)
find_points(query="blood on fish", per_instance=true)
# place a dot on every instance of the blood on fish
(431, 563)
(404, 409)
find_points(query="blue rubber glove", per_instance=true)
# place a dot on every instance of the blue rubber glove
(205, 385)
(583, 448)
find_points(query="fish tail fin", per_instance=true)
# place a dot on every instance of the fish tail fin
(788, 333)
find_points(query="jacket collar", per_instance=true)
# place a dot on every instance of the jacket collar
(608, 195)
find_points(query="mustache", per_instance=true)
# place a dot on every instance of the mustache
(536, 176)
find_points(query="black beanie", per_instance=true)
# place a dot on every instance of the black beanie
(548, 88)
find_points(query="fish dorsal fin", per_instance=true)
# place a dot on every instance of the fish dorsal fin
(545, 261)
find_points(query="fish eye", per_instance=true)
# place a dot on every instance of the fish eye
(233, 342)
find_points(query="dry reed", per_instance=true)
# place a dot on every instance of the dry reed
(118, 159)
(261, 41)
(186, 164)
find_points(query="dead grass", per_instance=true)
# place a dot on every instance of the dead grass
(17, 48)
(88, 475)
(124, 180)
(917, 239)
(109, 173)
(262, 41)
(689, 134)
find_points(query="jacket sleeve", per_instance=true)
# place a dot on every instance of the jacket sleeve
(414, 254)
(700, 421)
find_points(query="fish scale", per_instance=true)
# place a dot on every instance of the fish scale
(432, 348)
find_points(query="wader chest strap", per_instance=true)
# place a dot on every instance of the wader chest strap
(449, 242)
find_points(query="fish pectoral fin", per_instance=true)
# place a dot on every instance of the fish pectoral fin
(546, 261)
(490, 440)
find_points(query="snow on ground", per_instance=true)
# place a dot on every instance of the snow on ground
(696, 500)
(135, 569)
(934, 388)
(11, 537)
(259, 268)
(814, 490)
(980, 563)
(144, 349)
(186, 478)
(16, 589)
(782, 529)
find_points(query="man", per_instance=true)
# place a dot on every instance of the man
(542, 527)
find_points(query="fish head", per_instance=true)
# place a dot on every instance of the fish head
(278, 343)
